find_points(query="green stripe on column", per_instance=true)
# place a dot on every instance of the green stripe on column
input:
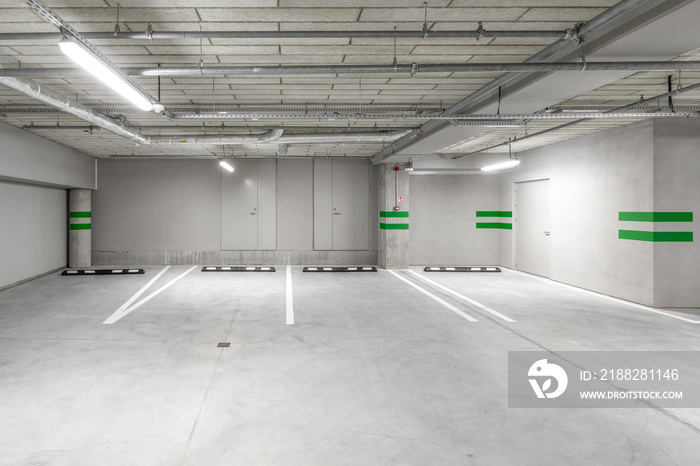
(80, 226)
(656, 216)
(494, 213)
(80, 214)
(393, 226)
(657, 236)
(502, 226)
(394, 214)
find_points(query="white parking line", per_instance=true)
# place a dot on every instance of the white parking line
(460, 296)
(290, 301)
(441, 301)
(123, 311)
(114, 317)
(609, 298)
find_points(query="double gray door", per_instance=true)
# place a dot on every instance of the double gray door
(249, 207)
(340, 198)
(341, 205)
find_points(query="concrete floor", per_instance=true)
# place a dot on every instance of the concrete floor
(373, 372)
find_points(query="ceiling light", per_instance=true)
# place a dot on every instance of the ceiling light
(226, 165)
(501, 165)
(98, 68)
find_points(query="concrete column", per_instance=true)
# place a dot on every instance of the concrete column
(80, 224)
(393, 223)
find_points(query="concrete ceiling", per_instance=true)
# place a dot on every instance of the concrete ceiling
(663, 38)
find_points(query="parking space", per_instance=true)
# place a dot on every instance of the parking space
(377, 368)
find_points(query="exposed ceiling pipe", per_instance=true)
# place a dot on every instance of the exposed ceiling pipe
(159, 35)
(570, 116)
(312, 112)
(67, 30)
(35, 91)
(242, 157)
(341, 138)
(315, 129)
(602, 22)
(412, 69)
(270, 136)
(607, 108)
(276, 136)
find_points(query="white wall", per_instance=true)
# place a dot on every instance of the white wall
(592, 179)
(443, 220)
(677, 189)
(33, 231)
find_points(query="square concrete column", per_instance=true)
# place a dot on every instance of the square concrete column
(80, 225)
(393, 217)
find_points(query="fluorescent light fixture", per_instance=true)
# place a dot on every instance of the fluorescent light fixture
(98, 68)
(226, 165)
(501, 165)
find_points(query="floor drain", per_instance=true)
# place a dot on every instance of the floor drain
(224, 344)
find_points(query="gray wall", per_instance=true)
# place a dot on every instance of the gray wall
(34, 173)
(171, 212)
(592, 179)
(29, 158)
(443, 220)
(677, 189)
(155, 205)
(33, 232)
(649, 166)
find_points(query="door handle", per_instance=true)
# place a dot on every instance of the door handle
(546, 233)
(253, 213)
(337, 213)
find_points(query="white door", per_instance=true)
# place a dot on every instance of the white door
(532, 227)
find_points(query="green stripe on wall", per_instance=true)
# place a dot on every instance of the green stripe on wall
(501, 226)
(80, 226)
(393, 226)
(656, 216)
(657, 236)
(494, 213)
(394, 214)
(80, 214)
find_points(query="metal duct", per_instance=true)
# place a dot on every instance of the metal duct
(270, 136)
(159, 35)
(415, 68)
(34, 90)
(341, 138)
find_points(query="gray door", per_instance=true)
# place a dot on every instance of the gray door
(323, 205)
(248, 206)
(350, 205)
(341, 205)
(532, 227)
